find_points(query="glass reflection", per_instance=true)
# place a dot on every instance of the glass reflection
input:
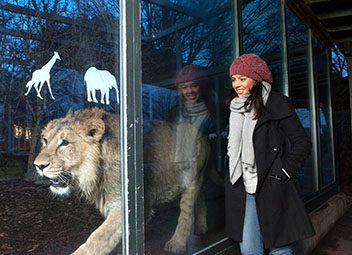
(297, 41)
(186, 54)
(47, 48)
(322, 83)
(262, 34)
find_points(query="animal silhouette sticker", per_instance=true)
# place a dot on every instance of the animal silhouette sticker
(102, 80)
(42, 75)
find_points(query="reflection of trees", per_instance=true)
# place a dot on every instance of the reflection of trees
(181, 33)
(297, 41)
(261, 27)
(339, 62)
(83, 32)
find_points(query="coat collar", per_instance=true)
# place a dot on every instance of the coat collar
(277, 107)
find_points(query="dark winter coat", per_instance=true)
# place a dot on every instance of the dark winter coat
(279, 141)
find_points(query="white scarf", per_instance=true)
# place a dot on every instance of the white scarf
(240, 145)
(194, 113)
(186, 139)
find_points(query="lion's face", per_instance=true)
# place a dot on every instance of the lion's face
(68, 153)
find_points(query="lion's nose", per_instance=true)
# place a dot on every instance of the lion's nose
(42, 166)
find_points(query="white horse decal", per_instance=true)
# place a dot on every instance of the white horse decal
(102, 80)
(42, 75)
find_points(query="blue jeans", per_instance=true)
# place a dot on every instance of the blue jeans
(252, 243)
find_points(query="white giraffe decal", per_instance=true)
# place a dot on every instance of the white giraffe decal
(102, 80)
(42, 75)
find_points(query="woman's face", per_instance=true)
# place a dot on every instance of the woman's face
(242, 84)
(190, 91)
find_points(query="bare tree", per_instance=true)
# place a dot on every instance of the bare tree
(83, 32)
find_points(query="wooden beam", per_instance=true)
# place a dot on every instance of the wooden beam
(334, 14)
(315, 1)
(343, 39)
(302, 10)
(339, 28)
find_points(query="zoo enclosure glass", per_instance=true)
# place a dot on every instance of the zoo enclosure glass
(55, 56)
(261, 25)
(186, 51)
(297, 43)
(322, 82)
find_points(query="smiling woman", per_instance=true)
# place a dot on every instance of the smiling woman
(190, 91)
(172, 72)
(186, 50)
(242, 84)
(267, 148)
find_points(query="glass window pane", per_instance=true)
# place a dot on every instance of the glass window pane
(322, 83)
(297, 42)
(262, 34)
(338, 62)
(56, 56)
(186, 52)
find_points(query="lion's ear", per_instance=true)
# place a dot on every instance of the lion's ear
(95, 129)
(51, 125)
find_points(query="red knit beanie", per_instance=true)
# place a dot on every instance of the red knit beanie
(189, 73)
(252, 66)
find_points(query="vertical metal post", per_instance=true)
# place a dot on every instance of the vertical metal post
(348, 51)
(237, 28)
(349, 70)
(284, 58)
(313, 113)
(331, 116)
(131, 127)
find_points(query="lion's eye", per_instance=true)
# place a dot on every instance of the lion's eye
(45, 141)
(64, 143)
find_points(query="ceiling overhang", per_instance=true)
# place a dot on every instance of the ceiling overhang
(335, 16)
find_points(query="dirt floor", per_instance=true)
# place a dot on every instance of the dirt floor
(32, 221)
(35, 222)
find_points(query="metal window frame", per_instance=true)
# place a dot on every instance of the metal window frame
(284, 49)
(131, 128)
(131, 116)
(349, 71)
(330, 106)
(237, 28)
(313, 114)
(321, 193)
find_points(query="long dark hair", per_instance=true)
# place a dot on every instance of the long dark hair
(254, 100)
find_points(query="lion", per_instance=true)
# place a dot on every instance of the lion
(81, 153)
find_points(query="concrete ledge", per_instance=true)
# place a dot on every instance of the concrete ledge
(323, 219)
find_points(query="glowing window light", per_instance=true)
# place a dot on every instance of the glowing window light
(18, 131)
(28, 133)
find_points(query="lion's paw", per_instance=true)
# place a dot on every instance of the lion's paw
(175, 246)
(81, 251)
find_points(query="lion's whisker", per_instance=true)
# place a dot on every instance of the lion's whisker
(63, 178)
